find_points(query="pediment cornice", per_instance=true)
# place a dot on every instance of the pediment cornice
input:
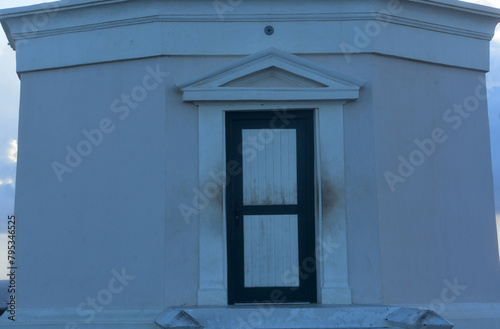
(271, 75)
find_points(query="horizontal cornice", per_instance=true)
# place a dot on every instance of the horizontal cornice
(63, 5)
(258, 18)
(445, 32)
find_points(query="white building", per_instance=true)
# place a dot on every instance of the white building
(316, 164)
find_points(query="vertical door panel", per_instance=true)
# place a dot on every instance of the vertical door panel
(269, 166)
(271, 251)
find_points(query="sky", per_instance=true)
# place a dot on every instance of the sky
(9, 105)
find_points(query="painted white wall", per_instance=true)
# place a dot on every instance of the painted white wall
(91, 222)
(118, 209)
(121, 187)
(439, 224)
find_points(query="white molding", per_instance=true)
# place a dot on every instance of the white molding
(329, 17)
(333, 283)
(332, 209)
(270, 94)
(212, 227)
(213, 86)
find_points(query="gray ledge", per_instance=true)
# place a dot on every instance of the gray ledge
(269, 316)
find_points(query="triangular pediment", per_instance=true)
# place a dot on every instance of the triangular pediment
(271, 75)
(274, 77)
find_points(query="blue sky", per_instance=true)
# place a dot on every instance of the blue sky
(9, 104)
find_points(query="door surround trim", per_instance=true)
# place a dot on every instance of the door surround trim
(331, 235)
(274, 79)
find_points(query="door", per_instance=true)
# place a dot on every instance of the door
(270, 207)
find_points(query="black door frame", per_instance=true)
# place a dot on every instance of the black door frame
(302, 121)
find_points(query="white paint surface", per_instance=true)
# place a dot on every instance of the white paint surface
(270, 169)
(271, 251)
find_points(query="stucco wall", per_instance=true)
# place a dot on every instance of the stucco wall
(119, 208)
(436, 221)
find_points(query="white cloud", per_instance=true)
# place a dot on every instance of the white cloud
(492, 83)
(7, 181)
(3, 256)
(12, 151)
(491, 3)
(496, 38)
(21, 3)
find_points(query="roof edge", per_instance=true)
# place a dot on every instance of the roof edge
(464, 6)
(51, 6)
(75, 4)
